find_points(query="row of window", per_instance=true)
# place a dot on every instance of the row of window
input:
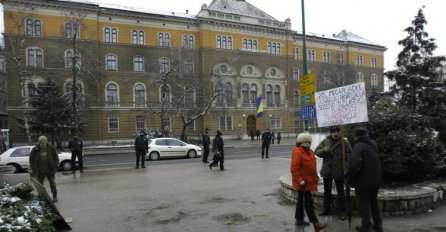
(327, 78)
(249, 94)
(328, 58)
(225, 123)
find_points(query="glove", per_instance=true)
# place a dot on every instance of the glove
(303, 184)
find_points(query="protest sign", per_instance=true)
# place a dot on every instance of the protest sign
(344, 105)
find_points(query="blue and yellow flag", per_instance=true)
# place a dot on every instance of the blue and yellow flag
(259, 105)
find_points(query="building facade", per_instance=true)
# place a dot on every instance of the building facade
(134, 69)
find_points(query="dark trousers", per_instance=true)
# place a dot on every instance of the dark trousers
(205, 153)
(140, 155)
(77, 154)
(305, 198)
(265, 146)
(220, 159)
(367, 202)
(51, 179)
(328, 183)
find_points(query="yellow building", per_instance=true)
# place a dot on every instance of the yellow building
(128, 62)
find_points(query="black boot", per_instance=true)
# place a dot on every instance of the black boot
(55, 197)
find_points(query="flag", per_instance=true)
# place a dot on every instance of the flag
(259, 105)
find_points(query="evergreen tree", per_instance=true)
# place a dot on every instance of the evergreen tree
(52, 108)
(420, 78)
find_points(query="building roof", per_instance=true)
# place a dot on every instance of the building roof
(239, 7)
(352, 37)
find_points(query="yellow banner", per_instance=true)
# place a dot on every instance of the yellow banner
(307, 86)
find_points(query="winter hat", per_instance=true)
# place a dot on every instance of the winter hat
(335, 129)
(303, 137)
(219, 132)
(361, 132)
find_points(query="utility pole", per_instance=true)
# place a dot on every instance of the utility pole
(304, 52)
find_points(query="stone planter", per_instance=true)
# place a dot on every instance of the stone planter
(7, 176)
(398, 201)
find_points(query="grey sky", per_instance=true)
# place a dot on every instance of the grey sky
(379, 21)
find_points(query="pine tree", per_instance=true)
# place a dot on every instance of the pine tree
(52, 108)
(420, 82)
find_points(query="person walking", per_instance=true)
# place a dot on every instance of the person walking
(305, 180)
(364, 174)
(59, 144)
(334, 165)
(272, 137)
(44, 161)
(141, 146)
(266, 140)
(219, 153)
(279, 137)
(76, 145)
(206, 141)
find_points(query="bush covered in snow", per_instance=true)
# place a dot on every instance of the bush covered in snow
(22, 211)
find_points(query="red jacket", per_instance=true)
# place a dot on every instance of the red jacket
(303, 168)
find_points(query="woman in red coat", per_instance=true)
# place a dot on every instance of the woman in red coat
(305, 180)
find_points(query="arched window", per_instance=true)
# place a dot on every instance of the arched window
(72, 30)
(219, 91)
(253, 93)
(139, 95)
(112, 94)
(69, 88)
(114, 35)
(37, 28)
(277, 95)
(327, 77)
(69, 59)
(188, 67)
(138, 64)
(191, 42)
(134, 37)
(229, 43)
(296, 99)
(245, 93)
(164, 65)
(224, 43)
(112, 63)
(269, 95)
(141, 37)
(228, 93)
(29, 27)
(164, 39)
(107, 35)
(189, 97)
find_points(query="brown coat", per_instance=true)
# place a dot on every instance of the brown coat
(303, 168)
(34, 158)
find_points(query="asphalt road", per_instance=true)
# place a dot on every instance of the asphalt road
(126, 158)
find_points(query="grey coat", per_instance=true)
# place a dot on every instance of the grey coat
(332, 164)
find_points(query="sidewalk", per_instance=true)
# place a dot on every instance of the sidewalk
(190, 197)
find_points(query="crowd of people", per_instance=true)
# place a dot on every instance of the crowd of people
(359, 166)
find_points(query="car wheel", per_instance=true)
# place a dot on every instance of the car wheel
(154, 156)
(191, 154)
(66, 165)
(15, 168)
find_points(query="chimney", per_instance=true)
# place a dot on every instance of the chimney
(187, 11)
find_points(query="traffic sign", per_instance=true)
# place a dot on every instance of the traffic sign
(307, 86)
(308, 112)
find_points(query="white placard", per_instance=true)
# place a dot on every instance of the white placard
(343, 105)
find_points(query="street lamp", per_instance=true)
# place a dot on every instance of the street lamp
(270, 118)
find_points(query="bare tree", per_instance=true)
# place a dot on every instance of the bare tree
(15, 52)
(180, 90)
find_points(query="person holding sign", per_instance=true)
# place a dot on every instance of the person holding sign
(333, 168)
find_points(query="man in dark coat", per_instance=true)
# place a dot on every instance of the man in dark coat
(44, 162)
(364, 173)
(218, 147)
(206, 141)
(266, 140)
(334, 165)
(76, 145)
(141, 146)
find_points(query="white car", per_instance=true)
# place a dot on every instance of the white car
(171, 147)
(18, 157)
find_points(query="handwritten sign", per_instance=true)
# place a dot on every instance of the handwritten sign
(344, 105)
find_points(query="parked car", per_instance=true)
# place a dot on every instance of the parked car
(171, 147)
(18, 157)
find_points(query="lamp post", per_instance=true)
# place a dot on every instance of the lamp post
(243, 126)
(270, 118)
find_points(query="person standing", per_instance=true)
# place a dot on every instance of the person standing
(2, 144)
(44, 162)
(141, 146)
(76, 145)
(364, 174)
(272, 137)
(266, 140)
(59, 144)
(258, 135)
(206, 140)
(305, 180)
(251, 133)
(218, 147)
(279, 137)
(334, 165)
